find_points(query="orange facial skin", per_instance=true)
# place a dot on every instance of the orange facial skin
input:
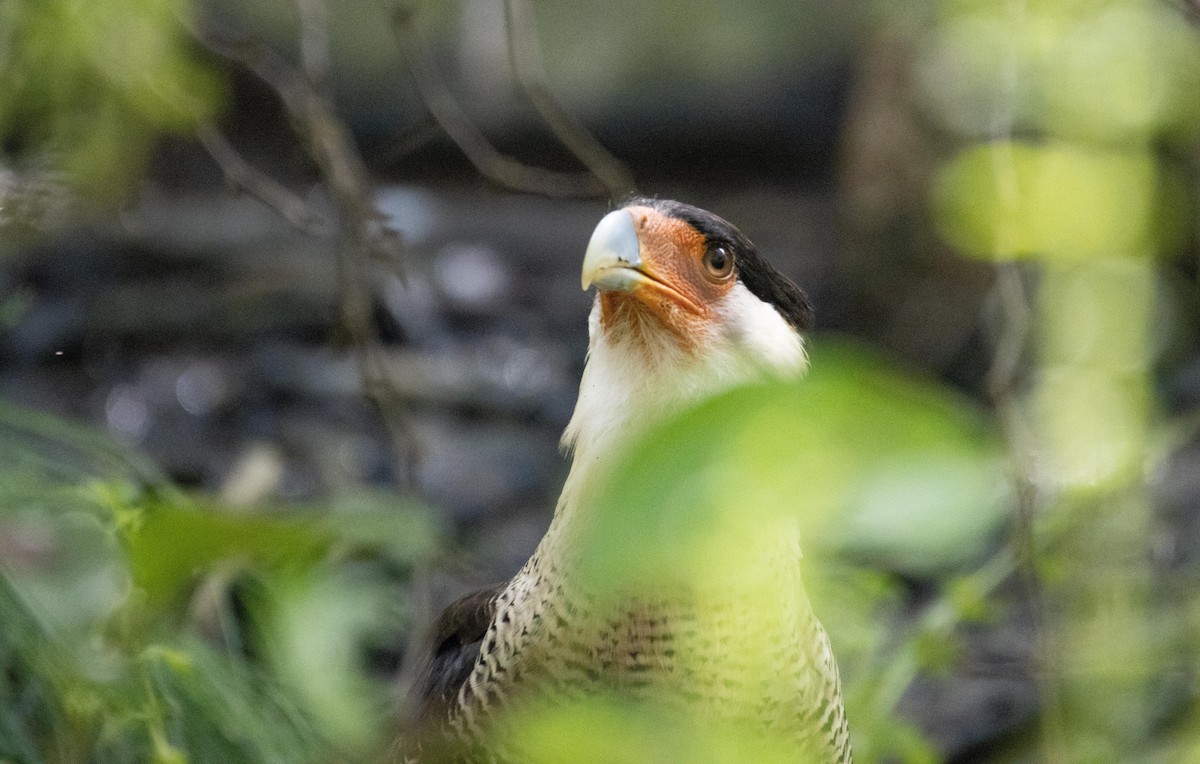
(678, 292)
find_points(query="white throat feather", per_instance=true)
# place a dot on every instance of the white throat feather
(627, 386)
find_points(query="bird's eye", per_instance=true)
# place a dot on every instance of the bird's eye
(718, 261)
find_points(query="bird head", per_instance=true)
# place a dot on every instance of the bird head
(685, 307)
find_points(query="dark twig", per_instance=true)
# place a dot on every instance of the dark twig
(367, 236)
(444, 108)
(244, 176)
(327, 139)
(332, 148)
(1016, 318)
(525, 52)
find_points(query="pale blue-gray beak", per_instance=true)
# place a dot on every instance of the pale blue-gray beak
(613, 256)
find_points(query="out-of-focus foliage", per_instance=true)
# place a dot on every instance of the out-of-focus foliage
(90, 86)
(138, 624)
(864, 455)
(600, 730)
(1063, 200)
(1096, 71)
(1106, 98)
(1100, 83)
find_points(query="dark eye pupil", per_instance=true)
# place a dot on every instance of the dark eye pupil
(718, 259)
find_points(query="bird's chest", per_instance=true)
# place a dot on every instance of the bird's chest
(716, 650)
(751, 655)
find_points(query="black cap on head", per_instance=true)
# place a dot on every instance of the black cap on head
(759, 276)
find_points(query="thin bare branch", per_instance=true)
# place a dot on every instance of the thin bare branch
(327, 139)
(330, 145)
(1016, 320)
(377, 384)
(314, 42)
(244, 176)
(489, 161)
(525, 52)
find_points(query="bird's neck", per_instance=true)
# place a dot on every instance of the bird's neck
(628, 385)
(637, 376)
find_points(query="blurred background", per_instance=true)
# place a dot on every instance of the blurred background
(290, 325)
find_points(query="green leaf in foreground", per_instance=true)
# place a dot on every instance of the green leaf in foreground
(139, 623)
(602, 730)
(863, 455)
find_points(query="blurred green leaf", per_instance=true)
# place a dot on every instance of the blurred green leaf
(864, 455)
(91, 84)
(1005, 200)
(91, 673)
(398, 529)
(1128, 71)
(318, 627)
(603, 730)
(41, 452)
(204, 707)
(168, 545)
(1113, 72)
(27, 701)
(66, 564)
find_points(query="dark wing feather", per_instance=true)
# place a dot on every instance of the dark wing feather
(455, 643)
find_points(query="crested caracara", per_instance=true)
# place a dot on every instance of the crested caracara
(685, 308)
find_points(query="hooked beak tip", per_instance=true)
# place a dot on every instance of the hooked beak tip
(613, 254)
